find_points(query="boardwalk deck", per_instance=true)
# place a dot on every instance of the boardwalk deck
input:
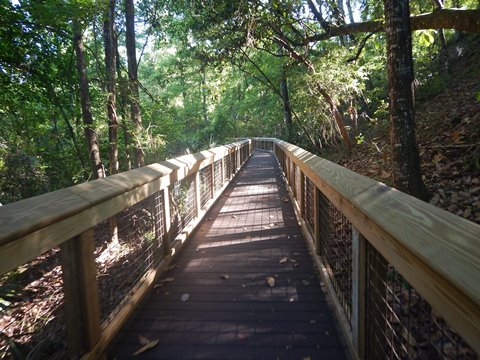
(231, 313)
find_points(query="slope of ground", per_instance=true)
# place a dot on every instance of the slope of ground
(448, 135)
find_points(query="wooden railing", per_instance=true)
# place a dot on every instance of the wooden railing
(404, 275)
(161, 203)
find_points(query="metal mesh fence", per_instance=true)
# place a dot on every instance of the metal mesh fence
(309, 203)
(205, 185)
(139, 246)
(31, 302)
(227, 168)
(298, 184)
(218, 181)
(182, 204)
(336, 251)
(400, 324)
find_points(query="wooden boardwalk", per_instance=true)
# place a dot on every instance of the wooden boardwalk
(230, 312)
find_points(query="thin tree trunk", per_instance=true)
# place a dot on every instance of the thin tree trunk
(407, 175)
(203, 90)
(133, 81)
(443, 56)
(90, 134)
(110, 66)
(287, 110)
(123, 101)
(350, 11)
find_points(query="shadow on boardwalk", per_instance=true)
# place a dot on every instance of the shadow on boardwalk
(231, 313)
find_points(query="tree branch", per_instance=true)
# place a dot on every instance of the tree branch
(462, 20)
(362, 45)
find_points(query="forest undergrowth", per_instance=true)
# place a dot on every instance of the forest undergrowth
(448, 137)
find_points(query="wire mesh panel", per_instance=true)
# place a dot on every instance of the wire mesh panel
(336, 251)
(182, 204)
(292, 173)
(31, 302)
(233, 168)
(309, 203)
(122, 262)
(298, 184)
(218, 181)
(400, 324)
(205, 185)
(227, 168)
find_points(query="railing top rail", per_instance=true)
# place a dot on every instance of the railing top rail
(29, 216)
(448, 243)
(437, 252)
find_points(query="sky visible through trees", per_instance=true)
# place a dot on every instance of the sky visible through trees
(310, 72)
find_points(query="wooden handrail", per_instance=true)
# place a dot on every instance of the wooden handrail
(32, 226)
(66, 218)
(437, 252)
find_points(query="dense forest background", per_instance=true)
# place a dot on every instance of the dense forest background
(91, 88)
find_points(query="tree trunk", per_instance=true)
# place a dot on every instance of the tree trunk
(133, 81)
(83, 86)
(444, 59)
(350, 12)
(122, 106)
(407, 176)
(287, 110)
(110, 67)
(203, 91)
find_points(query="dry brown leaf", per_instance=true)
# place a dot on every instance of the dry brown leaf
(234, 217)
(145, 347)
(185, 297)
(272, 225)
(283, 260)
(225, 276)
(143, 340)
(271, 281)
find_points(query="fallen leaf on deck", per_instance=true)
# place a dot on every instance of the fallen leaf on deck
(270, 281)
(172, 267)
(147, 344)
(272, 225)
(306, 282)
(225, 276)
(271, 216)
(234, 217)
(185, 297)
(283, 260)
(285, 200)
(143, 340)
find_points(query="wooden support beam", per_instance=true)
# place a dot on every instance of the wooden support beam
(82, 307)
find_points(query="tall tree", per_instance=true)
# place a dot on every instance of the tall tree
(110, 67)
(407, 175)
(133, 81)
(83, 86)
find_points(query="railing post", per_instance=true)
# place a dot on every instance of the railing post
(358, 291)
(317, 217)
(82, 305)
(197, 186)
(167, 220)
(212, 178)
(301, 198)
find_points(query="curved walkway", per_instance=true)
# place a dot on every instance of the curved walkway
(217, 302)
